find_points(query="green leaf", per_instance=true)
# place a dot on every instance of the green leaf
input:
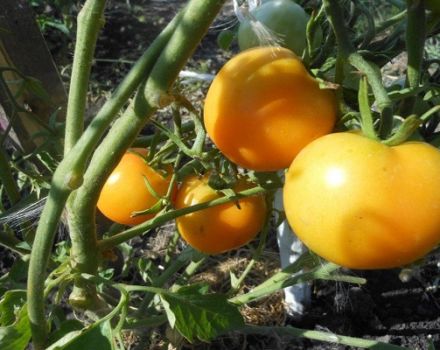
(19, 270)
(201, 288)
(17, 335)
(12, 301)
(96, 336)
(65, 328)
(36, 87)
(202, 316)
(225, 39)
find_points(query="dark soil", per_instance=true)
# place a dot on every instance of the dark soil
(386, 309)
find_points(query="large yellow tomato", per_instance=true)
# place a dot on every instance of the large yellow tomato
(362, 204)
(221, 228)
(125, 190)
(263, 107)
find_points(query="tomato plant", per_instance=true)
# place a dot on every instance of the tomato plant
(362, 204)
(285, 18)
(126, 191)
(263, 107)
(221, 228)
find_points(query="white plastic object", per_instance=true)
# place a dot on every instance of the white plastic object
(298, 296)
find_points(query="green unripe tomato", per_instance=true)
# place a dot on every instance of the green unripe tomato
(285, 18)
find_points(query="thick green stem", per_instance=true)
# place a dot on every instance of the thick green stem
(152, 95)
(415, 40)
(40, 254)
(415, 43)
(170, 215)
(321, 336)
(90, 21)
(68, 177)
(365, 110)
(346, 49)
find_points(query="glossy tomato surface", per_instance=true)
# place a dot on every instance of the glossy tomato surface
(283, 18)
(263, 107)
(125, 190)
(364, 205)
(221, 228)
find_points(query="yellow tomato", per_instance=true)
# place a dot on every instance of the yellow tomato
(125, 190)
(263, 107)
(221, 228)
(362, 204)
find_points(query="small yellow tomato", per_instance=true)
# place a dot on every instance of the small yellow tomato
(221, 228)
(125, 190)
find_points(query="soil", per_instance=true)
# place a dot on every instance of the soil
(401, 307)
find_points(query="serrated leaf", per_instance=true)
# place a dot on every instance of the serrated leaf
(201, 316)
(96, 336)
(10, 303)
(17, 335)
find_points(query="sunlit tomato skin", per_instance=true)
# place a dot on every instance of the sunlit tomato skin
(125, 190)
(263, 107)
(221, 228)
(284, 18)
(362, 204)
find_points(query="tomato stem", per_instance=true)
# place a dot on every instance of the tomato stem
(415, 43)
(261, 244)
(365, 110)
(321, 336)
(90, 21)
(406, 129)
(371, 71)
(72, 166)
(152, 94)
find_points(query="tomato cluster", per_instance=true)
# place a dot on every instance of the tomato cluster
(352, 200)
(212, 230)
